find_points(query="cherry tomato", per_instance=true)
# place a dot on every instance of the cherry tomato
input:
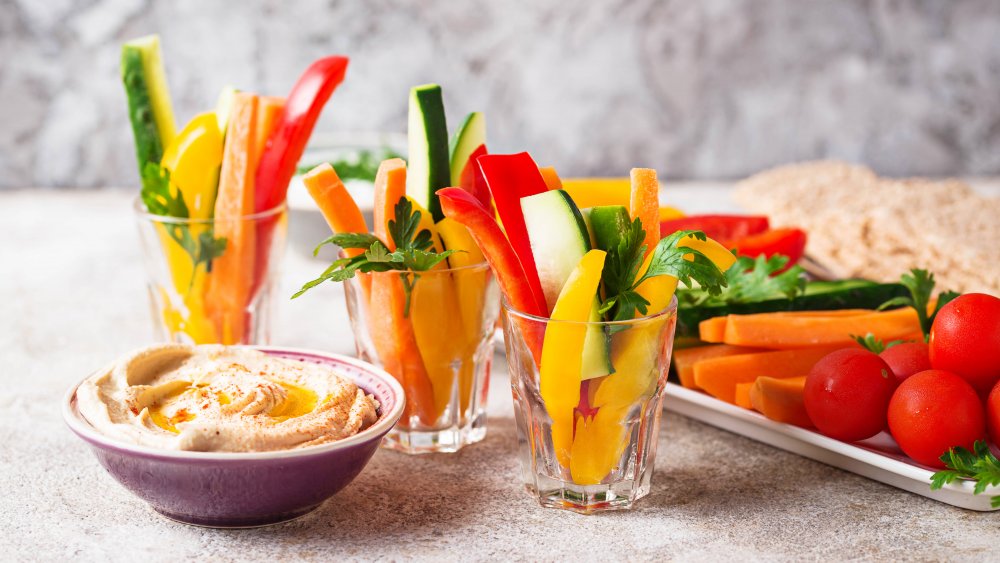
(847, 393)
(993, 413)
(907, 359)
(965, 339)
(932, 411)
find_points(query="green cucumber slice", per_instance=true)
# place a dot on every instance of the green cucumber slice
(470, 135)
(609, 224)
(148, 144)
(428, 167)
(559, 238)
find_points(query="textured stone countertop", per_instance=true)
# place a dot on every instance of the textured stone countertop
(73, 295)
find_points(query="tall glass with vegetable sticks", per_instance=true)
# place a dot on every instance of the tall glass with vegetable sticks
(194, 295)
(591, 449)
(433, 331)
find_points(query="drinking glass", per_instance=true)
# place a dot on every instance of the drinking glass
(433, 332)
(212, 281)
(588, 445)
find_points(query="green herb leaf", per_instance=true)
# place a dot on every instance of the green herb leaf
(348, 240)
(979, 465)
(363, 167)
(671, 259)
(622, 264)
(160, 199)
(875, 345)
(920, 284)
(414, 252)
(752, 280)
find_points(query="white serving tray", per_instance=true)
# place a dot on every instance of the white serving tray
(878, 458)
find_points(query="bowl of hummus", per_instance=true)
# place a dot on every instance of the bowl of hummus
(234, 436)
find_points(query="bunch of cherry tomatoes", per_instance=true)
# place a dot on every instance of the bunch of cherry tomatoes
(931, 397)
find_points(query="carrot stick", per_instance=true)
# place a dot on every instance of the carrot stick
(719, 376)
(335, 203)
(686, 358)
(644, 204)
(743, 394)
(713, 330)
(770, 330)
(228, 291)
(781, 400)
(338, 208)
(390, 186)
(550, 177)
(268, 114)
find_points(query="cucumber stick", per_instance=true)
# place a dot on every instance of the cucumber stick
(428, 168)
(609, 224)
(559, 239)
(469, 137)
(150, 111)
(223, 107)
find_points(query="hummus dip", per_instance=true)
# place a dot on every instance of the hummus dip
(219, 399)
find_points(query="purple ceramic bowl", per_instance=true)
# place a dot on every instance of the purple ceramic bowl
(229, 490)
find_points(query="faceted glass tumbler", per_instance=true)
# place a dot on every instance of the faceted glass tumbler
(212, 281)
(433, 332)
(588, 445)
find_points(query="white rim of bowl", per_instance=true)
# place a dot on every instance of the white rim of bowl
(76, 421)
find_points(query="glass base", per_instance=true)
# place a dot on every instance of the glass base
(441, 440)
(587, 499)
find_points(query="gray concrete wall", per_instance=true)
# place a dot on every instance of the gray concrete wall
(696, 89)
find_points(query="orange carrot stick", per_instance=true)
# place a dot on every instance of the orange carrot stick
(228, 288)
(550, 177)
(743, 394)
(268, 114)
(719, 376)
(770, 330)
(781, 400)
(712, 330)
(390, 186)
(645, 204)
(335, 203)
(686, 358)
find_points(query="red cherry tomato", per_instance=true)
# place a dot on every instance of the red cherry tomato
(847, 393)
(993, 413)
(932, 411)
(965, 339)
(907, 359)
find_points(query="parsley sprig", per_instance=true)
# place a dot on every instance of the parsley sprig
(750, 280)
(414, 252)
(621, 270)
(159, 199)
(920, 284)
(873, 344)
(980, 465)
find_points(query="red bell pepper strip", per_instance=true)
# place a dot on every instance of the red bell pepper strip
(723, 228)
(511, 177)
(285, 146)
(288, 140)
(462, 207)
(788, 242)
(472, 179)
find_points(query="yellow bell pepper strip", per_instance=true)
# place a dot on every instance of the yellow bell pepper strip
(427, 222)
(193, 159)
(668, 213)
(470, 286)
(562, 350)
(598, 444)
(644, 204)
(439, 334)
(232, 274)
(718, 254)
(594, 192)
(552, 181)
